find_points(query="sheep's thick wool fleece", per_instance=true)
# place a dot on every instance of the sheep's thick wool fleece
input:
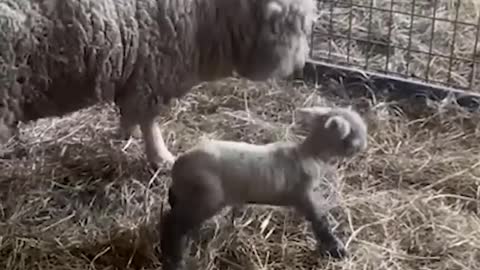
(57, 56)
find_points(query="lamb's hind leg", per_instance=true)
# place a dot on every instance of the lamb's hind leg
(184, 218)
(155, 147)
(174, 240)
(327, 242)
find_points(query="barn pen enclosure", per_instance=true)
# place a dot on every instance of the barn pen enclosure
(74, 196)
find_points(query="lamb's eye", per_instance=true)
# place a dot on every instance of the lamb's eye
(347, 142)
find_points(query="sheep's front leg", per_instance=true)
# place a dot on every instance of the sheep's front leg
(327, 242)
(155, 147)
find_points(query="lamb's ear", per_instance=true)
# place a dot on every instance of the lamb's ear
(321, 110)
(340, 124)
(306, 115)
(273, 9)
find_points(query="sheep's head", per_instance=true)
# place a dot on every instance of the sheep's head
(279, 45)
(337, 131)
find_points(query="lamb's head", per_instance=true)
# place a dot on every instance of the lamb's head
(277, 43)
(335, 131)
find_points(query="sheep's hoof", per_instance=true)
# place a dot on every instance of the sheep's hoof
(130, 132)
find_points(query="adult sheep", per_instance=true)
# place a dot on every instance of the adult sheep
(57, 57)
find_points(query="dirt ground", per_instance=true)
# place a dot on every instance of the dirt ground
(75, 197)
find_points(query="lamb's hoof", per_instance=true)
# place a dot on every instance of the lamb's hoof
(169, 265)
(336, 250)
(337, 253)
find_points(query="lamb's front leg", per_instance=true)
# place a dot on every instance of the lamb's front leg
(155, 147)
(327, 242)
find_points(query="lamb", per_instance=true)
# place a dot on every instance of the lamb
(217, 174)
(57, 57)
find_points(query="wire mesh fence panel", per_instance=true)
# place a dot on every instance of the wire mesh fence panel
(435, 41)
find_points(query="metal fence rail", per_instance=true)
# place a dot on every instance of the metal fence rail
(431, 42)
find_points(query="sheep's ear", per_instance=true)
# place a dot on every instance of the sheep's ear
(273, 9)
(340, 124)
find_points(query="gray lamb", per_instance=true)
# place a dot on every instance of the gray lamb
(59, 56)
(216, 174)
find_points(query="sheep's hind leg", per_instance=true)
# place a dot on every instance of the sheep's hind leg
(236, 212)
(129, 128)
(128, 124)
(327, 242)
(155, 147)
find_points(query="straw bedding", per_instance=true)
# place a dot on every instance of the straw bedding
(412, 201)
